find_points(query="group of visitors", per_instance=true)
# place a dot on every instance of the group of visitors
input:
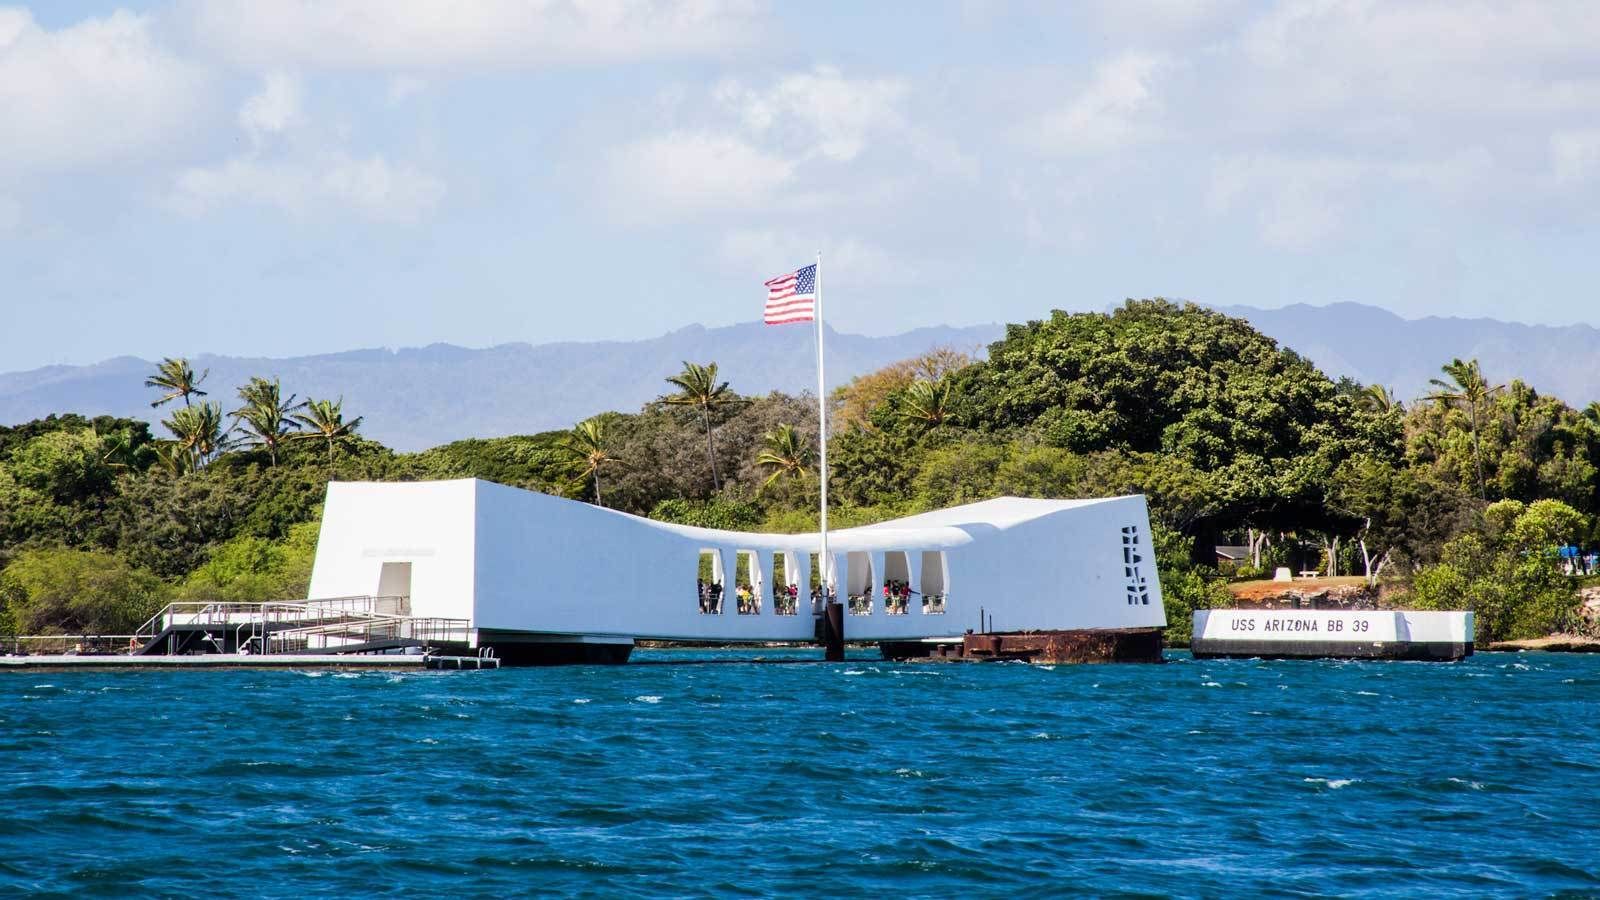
(1576, 562)
(710, 596)
(896, 597)
(786, 598)
(746, 600)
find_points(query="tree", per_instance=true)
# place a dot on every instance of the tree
(325, 419)
(1185, 587)
(926, 403)
(63, 591)
(1402, 512)
(785, 455)
(1200, 407)
(254, 569)
(1507, 571)
(587, 442)
(536, 462)
(1378, 399)
(198, 437)
(177, 378)
(126, 446)
(1464, 385)
(698, 386)
(266, 417)
(857, 400)
(66, 466)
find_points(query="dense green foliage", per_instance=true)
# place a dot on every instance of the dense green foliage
(47, 591)
(1462, 499)
(1504, 568)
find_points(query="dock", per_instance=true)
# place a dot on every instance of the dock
(390, 661)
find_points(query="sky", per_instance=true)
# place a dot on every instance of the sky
(306, 176)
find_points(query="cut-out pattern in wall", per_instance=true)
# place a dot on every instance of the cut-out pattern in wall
(1132, 557)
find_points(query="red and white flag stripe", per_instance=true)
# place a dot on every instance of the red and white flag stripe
(791, 298)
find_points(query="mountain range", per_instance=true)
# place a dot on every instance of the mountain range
(1375, 346)
(421, 397)
(425, 396)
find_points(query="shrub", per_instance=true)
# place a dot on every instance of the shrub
(61, 591)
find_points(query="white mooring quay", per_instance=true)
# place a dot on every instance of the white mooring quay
(1332, 634)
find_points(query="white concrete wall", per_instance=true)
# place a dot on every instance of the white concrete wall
(428, 524)
(551, 565)
(1444, 627)
(1322, 625)
(1310, 626)
(522, 561)
(1062, 568)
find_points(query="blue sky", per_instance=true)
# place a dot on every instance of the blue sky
(314, 175)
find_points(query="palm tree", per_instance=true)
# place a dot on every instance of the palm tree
(927, 403)
(266, 416)
(177, 378)
(786, 454)
(1376, 398)
(119, 451)
(1591, 413)
(1464, 385)
(587, 442)
(697, 386)
(198, 434)
(325, 419)
(174, 457)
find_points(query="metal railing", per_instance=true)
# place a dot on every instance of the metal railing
(88, 644)
(332, 636)
(263, 617)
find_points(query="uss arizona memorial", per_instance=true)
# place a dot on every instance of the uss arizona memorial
(542, 578)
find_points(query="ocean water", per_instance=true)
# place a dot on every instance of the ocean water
(855, 779)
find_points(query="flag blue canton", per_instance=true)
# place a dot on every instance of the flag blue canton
(805, 280)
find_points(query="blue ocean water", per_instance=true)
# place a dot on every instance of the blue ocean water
(863, 778)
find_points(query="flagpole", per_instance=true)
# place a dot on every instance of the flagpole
(824, 564)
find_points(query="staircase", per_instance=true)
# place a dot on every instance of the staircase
(325, 626)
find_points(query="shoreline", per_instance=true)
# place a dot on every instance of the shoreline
(1555, 643)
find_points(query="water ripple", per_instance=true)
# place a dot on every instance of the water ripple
(1208, 778)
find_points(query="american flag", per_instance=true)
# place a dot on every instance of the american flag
(792, 297)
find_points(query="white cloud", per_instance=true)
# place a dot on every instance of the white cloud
(370, 187)
(1575, 155)
(1141, 21)
(96, 92)
(851, 259)
(805, 135)
(1301, 202)
(822, 108)
(472, 34)
(1422, 35)
(683, 173)
(1346, 64)
(273, 109)
(1118, 109)
(307, 173)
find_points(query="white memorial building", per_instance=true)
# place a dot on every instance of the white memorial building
(534, 574)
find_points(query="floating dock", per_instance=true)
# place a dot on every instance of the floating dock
(1332, 634)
